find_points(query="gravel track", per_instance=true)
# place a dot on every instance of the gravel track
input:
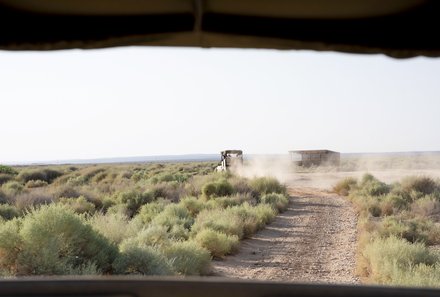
(314, 240)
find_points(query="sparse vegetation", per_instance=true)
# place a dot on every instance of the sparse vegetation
(148, 219)
(399, 228)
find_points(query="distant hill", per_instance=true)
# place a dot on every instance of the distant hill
(138, 159)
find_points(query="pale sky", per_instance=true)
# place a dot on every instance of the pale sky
(157, 101)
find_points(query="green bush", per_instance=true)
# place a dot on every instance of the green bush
(267, 185)
(79, 205)
(193, 205)
(134, 200)
(221, 220)
(150, 210)
(412, 229)
(7, 170)
(219, 244)
(141, 260)
(253, 218)
(188, 258)
(217, 189)
(54, 240)
(152, 236)
(12, 188)
(344, 186)
(8, 212)
(172, 215)
(277, 201)
(371, 186)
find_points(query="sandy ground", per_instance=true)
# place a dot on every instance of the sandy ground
(313, 241)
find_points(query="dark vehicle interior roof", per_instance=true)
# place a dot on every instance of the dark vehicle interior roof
(398, 28)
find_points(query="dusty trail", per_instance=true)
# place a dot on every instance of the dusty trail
(313, 241)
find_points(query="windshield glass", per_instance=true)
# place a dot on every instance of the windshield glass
(112, 164)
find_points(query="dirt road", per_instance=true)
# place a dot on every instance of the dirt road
(313, 241)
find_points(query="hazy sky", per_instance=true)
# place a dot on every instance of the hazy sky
(157, 101)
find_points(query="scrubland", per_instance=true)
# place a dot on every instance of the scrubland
(147, 219)
(399, 229)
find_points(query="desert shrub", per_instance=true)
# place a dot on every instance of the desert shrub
(3, 197)
(79, 205)
(188, 258)
(369, 185)
(99, 177)
(152, 236)
(393, 203)
(193, 205)
(64, 191)
(421, 184)
(28, 200)
(47, 175)
(4, 169)
(219, 244)
(277, 201)
(267, 185)
(4, 178)
(8, 212)
(264, 213)
(53, 240)
(367, 204)
(427, 206)
(221, 220)
(241, 185)
(12, 188)
(344, 186)
(36, 184)
(134, 200)
(178, 232)
(412, 229)
(390, 260)
(174, 214)
(114, 226)
(218, 188)
(10, 247)
(141, 260)
(253, 218)
(171, 191)
(150, 210)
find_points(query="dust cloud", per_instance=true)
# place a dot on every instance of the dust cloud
(279, 167)
(387, 167)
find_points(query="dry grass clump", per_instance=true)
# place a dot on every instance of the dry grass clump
(141, 260)
(395, 261)
(344, 186)
(277, 201)
(398, 224)
(188, 258)
(218, 243)
(267, 185)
